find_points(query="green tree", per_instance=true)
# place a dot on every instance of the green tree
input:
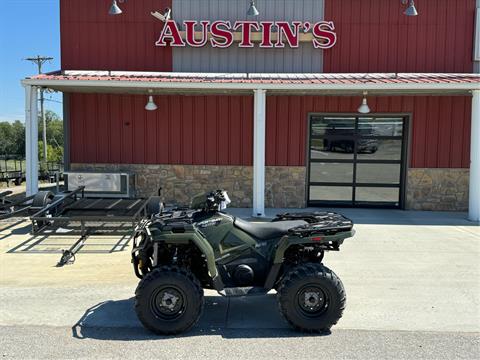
(54, 153)
(18, 135)
(54, 128)
(55, 139)
(12, 137)
(6, 140)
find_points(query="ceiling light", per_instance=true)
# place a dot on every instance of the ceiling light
(114, 9)
(252, 10)
(411, 10)
(151, 106)
(364, 108)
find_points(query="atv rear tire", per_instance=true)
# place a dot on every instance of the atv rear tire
(169, 300)
(311, 297)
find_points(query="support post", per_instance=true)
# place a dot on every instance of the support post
(474, 195)
(259, 153)
(31, 139)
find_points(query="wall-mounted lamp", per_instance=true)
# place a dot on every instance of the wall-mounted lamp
(115, 9)
(252, 10)
(411, 9)
(364, 108)
(151, 106)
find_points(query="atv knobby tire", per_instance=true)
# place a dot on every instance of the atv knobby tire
(169, 300)
(311, 297)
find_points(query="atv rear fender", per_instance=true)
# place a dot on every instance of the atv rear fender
(329, 242)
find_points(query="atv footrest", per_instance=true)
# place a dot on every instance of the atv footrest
(243, 291)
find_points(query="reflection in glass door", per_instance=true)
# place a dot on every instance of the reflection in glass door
(357, 161)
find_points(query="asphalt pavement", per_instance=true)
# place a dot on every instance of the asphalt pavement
(60, 343)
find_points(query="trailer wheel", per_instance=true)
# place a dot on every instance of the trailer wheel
(169, 300)
(311, 297)
(41, 199)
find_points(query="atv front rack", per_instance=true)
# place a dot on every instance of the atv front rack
(318, 223)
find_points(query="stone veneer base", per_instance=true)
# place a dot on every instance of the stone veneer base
(284, 185)
(438, 189)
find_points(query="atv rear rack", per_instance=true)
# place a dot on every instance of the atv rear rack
(318, 223)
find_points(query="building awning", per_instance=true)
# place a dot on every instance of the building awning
(161, 82)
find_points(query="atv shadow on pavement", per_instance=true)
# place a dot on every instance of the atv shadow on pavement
(252, 317)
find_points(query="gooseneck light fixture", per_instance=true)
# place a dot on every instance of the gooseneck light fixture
(252, 10)
(411, 9)
(364, 108)
(115, 9)
(151, 106)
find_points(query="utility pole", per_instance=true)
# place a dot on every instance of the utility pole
(40, 60)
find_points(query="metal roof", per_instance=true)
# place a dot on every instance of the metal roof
(324, 83)
(263, 78)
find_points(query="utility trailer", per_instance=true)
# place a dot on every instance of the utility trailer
(11, 173)
(73, 213)
(10, 207)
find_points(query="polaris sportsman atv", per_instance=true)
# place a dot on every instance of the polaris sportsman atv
(180, 252)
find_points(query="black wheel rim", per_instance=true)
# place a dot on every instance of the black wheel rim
(312, 300)
(168, 303)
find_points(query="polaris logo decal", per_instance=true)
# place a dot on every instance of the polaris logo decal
(208, 223)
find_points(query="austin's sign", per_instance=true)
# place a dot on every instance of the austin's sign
(265, 34)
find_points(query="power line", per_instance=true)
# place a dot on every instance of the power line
(55, 101)
(39, 60)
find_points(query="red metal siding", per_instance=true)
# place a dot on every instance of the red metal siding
(375, 36)
(191, 130)
(440, 126)
(93, 40)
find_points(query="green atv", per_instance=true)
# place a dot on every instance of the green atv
(180, 252)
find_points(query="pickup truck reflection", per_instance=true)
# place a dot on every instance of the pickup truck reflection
(341, 138)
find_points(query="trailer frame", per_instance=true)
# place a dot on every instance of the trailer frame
(91, 217)
(10, 208)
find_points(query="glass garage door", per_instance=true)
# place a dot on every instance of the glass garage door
(357, 161)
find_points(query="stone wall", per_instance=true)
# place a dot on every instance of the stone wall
(285, 186)
(438, 189)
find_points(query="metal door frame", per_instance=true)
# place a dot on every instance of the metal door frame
(407, 117)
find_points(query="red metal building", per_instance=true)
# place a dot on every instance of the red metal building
(270, 111)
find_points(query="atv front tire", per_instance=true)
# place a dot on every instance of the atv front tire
(311, 297)
(169, 300)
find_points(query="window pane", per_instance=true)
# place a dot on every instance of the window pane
(364, 194)
(325, 149)
(333, 126)
(373, 149)
(331, 172)
(378, 173)
(331, 193)
(380, 126)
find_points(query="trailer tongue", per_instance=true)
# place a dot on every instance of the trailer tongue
(73, 213)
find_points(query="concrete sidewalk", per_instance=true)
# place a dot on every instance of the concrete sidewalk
(403, 271)
(374, 216)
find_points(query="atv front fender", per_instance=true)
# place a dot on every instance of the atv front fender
(199, 241)
(334, 241)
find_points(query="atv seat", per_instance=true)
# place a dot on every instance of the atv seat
(269, 230)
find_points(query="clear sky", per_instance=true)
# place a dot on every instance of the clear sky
(27, 28)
